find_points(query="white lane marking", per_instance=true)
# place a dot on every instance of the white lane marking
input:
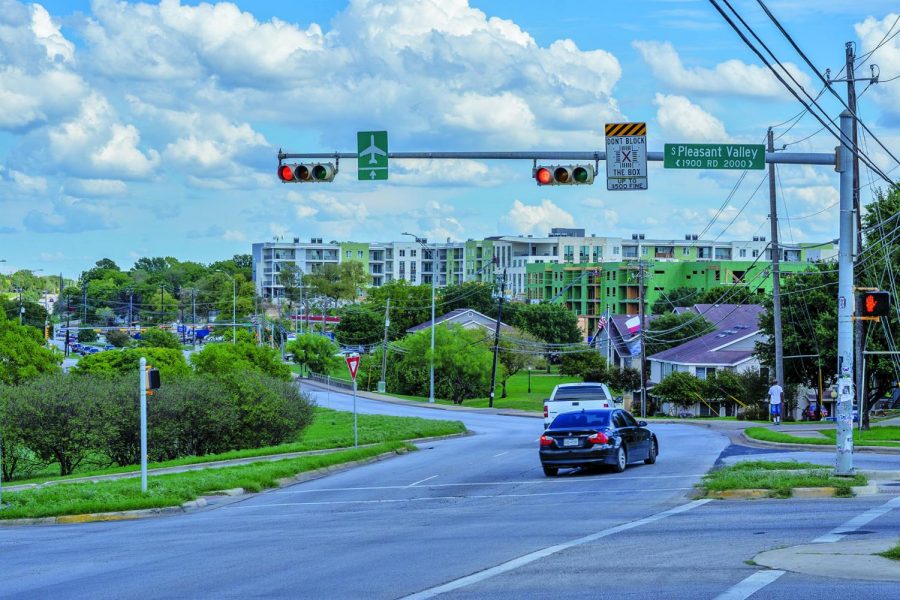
(457, 497)
(856, 522)
(421, 481)
(501, 454)
(539, 554)
(750, 586)
(578, 480)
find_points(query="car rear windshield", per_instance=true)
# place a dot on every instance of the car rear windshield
(589, 419)
(581, 393)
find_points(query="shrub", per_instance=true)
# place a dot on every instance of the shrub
(112, 363)
(87, 335)
(117, 338)
(22, 353)
(17, 459)
(314, 352)
(226, 358)
(582, 363)
(159, 338)
(270, 410)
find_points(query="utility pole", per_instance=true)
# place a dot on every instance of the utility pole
(301, 305)
(776, 268)
(130, 310)
(194, 315)
(382, 385)
(643, 334)
(845, 391)
(431, 371)
(162, 305)
(84, 303)
(497, 340)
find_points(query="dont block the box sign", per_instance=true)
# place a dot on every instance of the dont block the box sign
(353, 365)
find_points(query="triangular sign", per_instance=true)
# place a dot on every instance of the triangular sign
(353, 365)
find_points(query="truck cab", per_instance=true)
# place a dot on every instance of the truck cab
(568, 397)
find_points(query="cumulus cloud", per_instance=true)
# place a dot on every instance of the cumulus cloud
(683, 120)
(537, 218)
(70, 215)
(27, 183)
(437, 172)
(96, 187)
(877, 33)
(731, 77)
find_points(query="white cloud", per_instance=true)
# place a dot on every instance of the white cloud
(96, 187)
(48, 35)
(873, 33)
(436, 172)
(27, 183)
(731, 77)
(683, 120)
(70, 215)
(539, 218)
(233, 235)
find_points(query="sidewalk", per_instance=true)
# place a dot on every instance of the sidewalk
(853, 559)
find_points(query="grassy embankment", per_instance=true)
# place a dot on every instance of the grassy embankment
(888, 436)
(780, 478)
(331, 429)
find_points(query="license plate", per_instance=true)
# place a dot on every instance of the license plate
(570, 441)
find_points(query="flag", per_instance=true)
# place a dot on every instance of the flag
(601, 323)
(633, 324)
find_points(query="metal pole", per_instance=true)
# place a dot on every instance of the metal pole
(143, 375)
(431, 374)
(233, 310)
(497, 340)
(382, 385)
(355, 433)
(643, 334)
(844, 409)
(776, 269)
(301, 303)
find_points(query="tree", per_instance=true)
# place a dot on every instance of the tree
(513, 358)
(679, 388)
(22, 353)
(358, 326)
(106, 315)
(680, 296)
(313, 352)
(242, 357)
(670, 330)
(471, 294)
(732, 295)
(34, 315)
(581, 363)
(171, 363)
(159, 338)
(410, 305)
(550, 323)
(117, 338)
(87, 335)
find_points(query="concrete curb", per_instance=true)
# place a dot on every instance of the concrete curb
(817, 447)
(203, 501)
(845, 560)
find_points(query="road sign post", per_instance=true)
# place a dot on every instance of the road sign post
(714, 156)
(353, 366)
(372, 155)
(143, 370)
(626, 156)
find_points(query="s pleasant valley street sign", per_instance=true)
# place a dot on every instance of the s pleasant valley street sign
(715, 156)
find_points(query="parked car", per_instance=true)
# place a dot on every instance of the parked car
(591, 438)
(576, 396)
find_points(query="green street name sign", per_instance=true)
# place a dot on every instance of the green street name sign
(715, 156)
(372, 155)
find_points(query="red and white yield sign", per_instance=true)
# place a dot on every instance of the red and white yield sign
(353, 365)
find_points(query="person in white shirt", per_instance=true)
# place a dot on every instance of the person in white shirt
(776, 397)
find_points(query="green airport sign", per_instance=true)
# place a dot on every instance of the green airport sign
(372, 155)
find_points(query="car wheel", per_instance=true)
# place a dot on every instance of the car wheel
(651, 458)
(621, 460)
(551, 471)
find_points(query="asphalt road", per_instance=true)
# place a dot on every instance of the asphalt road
(471, 517)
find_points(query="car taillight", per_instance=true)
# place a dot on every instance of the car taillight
(546, 412)
(598, 438)
(546, 441)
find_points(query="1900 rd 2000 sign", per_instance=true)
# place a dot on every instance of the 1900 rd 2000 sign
(715, 156)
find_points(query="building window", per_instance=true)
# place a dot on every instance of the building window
(685, 251)
(359, 254)
(348, 253)
(412, 253)
(402, 252)
(755, 253)
(743, 253)
(615, 249)
(643, 250)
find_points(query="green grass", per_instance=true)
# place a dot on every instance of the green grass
(877, 436)
(893, 553)
(778, 477)
(330, 429)
(171, 490)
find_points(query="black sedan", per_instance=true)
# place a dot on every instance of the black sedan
(590, 438)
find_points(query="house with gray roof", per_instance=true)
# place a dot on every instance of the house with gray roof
(466, 317)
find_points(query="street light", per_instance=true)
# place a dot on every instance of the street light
(423, 242)
(233, 304)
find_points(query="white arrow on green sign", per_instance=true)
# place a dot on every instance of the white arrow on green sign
(372, 154)
(714, 156)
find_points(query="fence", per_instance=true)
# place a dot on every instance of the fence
(332, 381)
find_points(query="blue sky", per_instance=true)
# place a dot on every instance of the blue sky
(150, 129)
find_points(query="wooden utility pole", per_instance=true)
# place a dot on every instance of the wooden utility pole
(776, 269)
(497, 340)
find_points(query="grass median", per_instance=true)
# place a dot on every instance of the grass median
(330, 429)
(893, 553)
(780, 478)
(174, 489)
(888, 437)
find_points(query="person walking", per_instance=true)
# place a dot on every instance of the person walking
(776, 399)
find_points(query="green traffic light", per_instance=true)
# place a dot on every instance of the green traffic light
(580, 174)
(319, 172)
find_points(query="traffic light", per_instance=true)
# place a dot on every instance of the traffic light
(307, 172)
(873, 304)
(564, 175)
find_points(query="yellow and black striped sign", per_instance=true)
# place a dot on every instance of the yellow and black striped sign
(625, 129)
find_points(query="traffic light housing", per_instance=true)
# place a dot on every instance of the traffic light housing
(564, 174)
(307, 172)
(153, 381)
(873, 304)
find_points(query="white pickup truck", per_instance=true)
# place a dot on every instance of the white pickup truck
(568, 397)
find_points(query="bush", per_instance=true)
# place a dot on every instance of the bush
(270, 410)
(314, 352)
(582, 363)
(117, 338)
(226, 358)
(87, 335)
(159, 338)
(22, 353)
(754, 412)
(17, 459)
(112, 363)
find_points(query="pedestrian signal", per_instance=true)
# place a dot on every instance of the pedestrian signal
(873, 304)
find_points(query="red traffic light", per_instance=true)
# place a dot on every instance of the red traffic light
(307, 172)
(543, 176)
(873, 304)
(286, 173)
